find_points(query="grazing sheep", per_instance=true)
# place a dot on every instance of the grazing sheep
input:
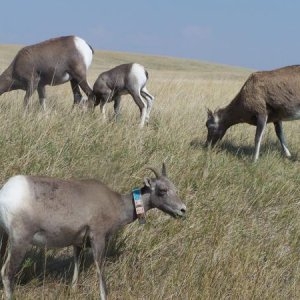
(51, 62)
(50, 212)
(267, 96)
(121, 80)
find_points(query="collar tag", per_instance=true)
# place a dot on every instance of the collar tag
(139, 206)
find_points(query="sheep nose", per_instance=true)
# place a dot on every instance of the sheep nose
(183, 209)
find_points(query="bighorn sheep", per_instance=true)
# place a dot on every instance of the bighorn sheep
(51, 62)
(267, 96)
(124, 79)
(51, 212)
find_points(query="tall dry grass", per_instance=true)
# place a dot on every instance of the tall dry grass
(240, 239)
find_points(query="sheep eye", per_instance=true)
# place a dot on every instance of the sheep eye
(162, 191)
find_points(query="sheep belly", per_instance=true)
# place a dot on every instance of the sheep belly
(292, 117)
(59, 237)
(59, 79)
(43, 239)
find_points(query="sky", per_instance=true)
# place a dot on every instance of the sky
(257, 34)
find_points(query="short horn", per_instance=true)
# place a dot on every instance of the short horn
(209, 112)
(164, 170)
(155, 171)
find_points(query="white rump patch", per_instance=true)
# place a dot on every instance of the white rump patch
(14, 197)
(138, 76)
(85, 50)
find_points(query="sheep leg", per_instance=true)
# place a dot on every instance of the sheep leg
(117, 101)
(85, 87)
(42, 96)
(149, 98)
(103, 100)
(28, 94)
(77, 252)
(76, 92)
(89, 92)
(32, 84)
(80, 77)
(280, 135)
(146, 93)
(3, 249)
(30, 90)
(142, 106)
(16, 253)
(103, 110)
(260, 128)
(98, 248)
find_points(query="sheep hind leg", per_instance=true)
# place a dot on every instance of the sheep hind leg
(77, 256)
(145, 93)
(142, 106)
(149, 98)
(15, 256)
(280, 135)
(80, 78)
(3, 249)
(76, 92)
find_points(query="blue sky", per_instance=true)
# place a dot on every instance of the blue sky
(256, 34)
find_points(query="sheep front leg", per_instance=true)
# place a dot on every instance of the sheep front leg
(77, 251)
(117, 101)
(260, 128)
(42, 96)
(98, 248)
(103, 110)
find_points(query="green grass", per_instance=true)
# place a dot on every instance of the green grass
(240, 239)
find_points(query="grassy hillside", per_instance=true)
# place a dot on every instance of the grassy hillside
(240, 239)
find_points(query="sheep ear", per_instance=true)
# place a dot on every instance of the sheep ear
(147, 182)
(209, 113)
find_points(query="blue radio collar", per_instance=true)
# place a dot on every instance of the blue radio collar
(139, 205)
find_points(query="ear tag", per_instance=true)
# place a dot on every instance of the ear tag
(139, 206)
